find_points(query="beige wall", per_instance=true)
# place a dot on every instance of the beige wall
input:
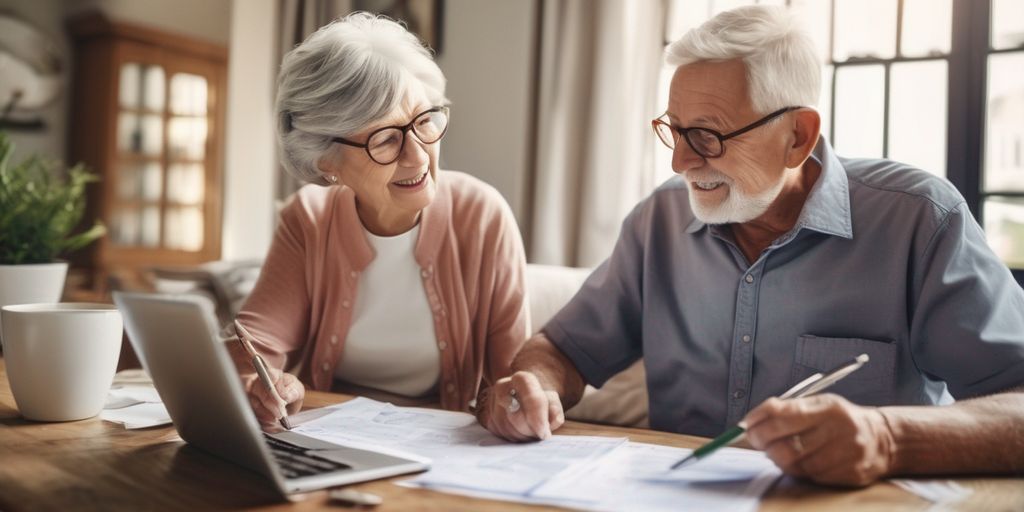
(204, 19)
(249, 149)
(487, 55)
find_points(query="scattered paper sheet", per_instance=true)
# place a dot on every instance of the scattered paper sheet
(940, 492)
(135, 406)
(594, 473)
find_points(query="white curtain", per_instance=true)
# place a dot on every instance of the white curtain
(598, 74)
(298, 19)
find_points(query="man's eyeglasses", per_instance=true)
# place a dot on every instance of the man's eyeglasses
(384, 145)
(704, 141)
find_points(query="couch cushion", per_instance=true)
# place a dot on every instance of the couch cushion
(623, 399)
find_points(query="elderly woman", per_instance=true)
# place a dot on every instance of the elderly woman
(386, 275)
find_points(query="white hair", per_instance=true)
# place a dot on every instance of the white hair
(782, 63)
(343, 77)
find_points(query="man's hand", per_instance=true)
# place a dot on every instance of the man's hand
(539, 411)
(268, 410)
(824, 438)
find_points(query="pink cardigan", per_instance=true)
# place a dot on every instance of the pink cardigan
(473, 267)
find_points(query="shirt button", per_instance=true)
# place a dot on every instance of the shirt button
(442, 345)
(334, 339)
(749, 278)
(345, 304)
(738, 394)
(326, 367)
(450, 388)
(746, 338)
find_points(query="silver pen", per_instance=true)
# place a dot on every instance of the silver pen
(262, 372)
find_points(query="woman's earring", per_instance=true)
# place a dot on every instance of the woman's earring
(331, 178)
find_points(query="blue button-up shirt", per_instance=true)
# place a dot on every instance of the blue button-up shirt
(884, 259)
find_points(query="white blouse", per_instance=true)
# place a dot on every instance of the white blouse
(391, 344)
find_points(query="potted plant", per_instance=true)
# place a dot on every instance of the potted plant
(39, 208)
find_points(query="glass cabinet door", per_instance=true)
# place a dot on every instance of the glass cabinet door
(162, 138)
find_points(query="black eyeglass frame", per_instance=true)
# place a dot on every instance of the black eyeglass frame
(404, 129)
(684, 132)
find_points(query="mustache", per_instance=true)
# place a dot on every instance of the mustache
(707, 175)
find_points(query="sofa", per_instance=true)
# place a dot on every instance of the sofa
(621, 401)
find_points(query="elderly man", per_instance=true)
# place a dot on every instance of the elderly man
(769, 258)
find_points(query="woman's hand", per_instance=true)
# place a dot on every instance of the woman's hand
(517, 408)
(267, 408)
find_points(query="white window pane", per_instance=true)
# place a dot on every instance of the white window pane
(128, 89)
(1007, 23)
(188, 94)
(1004, 227)
(815, 15)
(917, 114)
(860, 110)
(150, 234)
(1004, 132)
(152, 182)
(187, 137)
(125, 228)
(185, 183)
(865, 28)
(927, 27)
(184, 229)
(154, 88)
(825, 102)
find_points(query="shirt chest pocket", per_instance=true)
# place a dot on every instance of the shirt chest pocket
(872, 384)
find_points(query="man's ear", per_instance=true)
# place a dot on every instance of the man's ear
(806, 127)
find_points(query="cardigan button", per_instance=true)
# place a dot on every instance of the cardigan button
(334, 339)
(345, 304)
(450, 388)
(326, 367)
(442, 345)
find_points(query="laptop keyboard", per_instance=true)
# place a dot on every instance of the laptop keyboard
(297, 462)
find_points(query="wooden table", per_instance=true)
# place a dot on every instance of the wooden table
(95, 465)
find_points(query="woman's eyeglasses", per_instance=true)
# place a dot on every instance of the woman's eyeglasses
(384, 145)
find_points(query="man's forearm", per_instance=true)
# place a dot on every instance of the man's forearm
(554, 371)
(981, 435)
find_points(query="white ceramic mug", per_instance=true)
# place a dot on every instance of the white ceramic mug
(61, 358)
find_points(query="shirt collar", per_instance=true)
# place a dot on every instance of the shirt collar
(827, 208)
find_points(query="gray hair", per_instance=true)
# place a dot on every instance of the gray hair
(782, 65)
(343, 77)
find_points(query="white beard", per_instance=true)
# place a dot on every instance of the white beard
(738, 207)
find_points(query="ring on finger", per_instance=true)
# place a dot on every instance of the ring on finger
(513, 406)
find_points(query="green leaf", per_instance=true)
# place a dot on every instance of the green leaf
(40, 205)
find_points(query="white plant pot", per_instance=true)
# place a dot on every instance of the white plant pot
(32, 283)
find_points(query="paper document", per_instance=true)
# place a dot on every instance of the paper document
(135, 406)
(592, 473)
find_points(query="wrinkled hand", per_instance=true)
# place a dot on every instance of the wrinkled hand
(539, 413)
(824, 438)
(267, 408)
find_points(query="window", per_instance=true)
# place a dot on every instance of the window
(937, 84)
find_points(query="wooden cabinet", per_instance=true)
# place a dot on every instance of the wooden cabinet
(148, 117)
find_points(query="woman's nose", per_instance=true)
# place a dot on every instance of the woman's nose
(414, 153)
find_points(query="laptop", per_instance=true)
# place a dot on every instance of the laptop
(176, 339)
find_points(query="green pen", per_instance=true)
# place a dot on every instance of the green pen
(807, 387)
